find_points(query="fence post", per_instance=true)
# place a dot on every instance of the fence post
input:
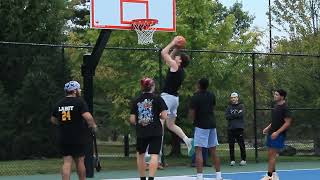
(254, 106)
(126, 145)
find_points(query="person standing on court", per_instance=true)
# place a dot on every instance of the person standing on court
(72, 116)
(176, 61)
(235, 117)
(276, 131)
(145, 114)
(205, 135)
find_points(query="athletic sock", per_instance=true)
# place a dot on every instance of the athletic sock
(199, 175)
(151, 178)
(218, 175)
(143, 178)
(269, 174)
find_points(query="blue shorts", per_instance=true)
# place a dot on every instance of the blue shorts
(205, 137)
(277, 143)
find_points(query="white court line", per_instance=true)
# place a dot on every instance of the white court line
(170, 178)
(192, 177)
(285, 170)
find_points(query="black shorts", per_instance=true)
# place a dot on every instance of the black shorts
(154, 143)
(74, 150)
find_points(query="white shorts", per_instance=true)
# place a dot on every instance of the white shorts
(205, 137)
(172, 103)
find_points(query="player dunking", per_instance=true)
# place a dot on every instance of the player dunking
(176, 61)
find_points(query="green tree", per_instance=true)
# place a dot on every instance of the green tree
(300, 20)
(32, 76)
(297, 17)
(117, 76)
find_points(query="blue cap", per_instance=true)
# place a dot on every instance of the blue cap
(71, 85)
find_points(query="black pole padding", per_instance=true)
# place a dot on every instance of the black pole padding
(254, 107)
(87, 71)
(90, 62)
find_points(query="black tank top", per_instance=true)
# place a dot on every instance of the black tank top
(173, 82)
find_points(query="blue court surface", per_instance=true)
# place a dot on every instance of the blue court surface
(297, 174)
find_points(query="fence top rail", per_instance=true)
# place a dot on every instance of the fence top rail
(298, 109)
(155, 49)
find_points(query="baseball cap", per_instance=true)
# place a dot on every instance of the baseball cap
(71, 85)
(234, 94)
(147, 82)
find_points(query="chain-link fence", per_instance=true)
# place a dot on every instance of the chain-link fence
(253, 75)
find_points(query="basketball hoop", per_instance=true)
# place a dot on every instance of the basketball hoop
(144, 29)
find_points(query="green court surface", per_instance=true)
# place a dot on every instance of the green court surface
(177, 171)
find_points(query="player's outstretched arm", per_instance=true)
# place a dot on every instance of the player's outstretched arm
(166, 55)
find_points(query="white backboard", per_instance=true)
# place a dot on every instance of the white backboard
(117, 14)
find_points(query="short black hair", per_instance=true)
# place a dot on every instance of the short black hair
(203, 83)
(282, 93)
(185, 59)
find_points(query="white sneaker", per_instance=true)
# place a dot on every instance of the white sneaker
(199, 177)
(275, 176)
(190, 146)
(232, 163)
(243, 163)
(266, 178)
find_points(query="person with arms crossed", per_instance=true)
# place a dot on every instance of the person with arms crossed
(71, 115)
(145, 114)
(176, 61)
(276, 131)
(205, 135)
(235, 117)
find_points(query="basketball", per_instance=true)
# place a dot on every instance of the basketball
(181, 41)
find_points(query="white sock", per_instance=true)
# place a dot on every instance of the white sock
(218, 175)
(199, 175)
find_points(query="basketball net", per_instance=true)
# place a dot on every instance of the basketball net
(144, 29)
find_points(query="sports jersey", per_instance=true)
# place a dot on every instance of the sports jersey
(72, 127)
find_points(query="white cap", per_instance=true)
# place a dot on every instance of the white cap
(234, 94)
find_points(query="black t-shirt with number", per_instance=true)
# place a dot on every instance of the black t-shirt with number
(147, 108)
(279, 113)
(203, 102)
(72, 127)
